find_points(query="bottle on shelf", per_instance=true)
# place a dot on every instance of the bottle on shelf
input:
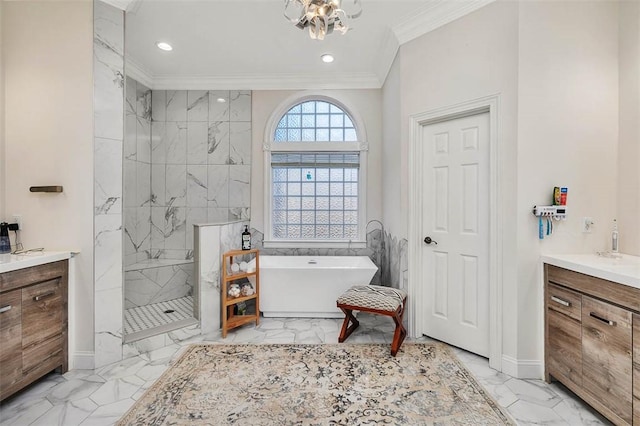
(246, 238)
(614, 237)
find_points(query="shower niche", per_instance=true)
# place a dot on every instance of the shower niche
(186, 162)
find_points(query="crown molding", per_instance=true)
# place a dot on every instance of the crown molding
(434, 15)
(306, 81)
(138, 72)
(384, 60)
(269, 82)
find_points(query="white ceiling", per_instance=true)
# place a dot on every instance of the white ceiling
(248, 44)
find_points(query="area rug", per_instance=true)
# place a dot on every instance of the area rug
(336, 384)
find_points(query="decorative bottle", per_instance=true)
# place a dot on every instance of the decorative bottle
(246, 238)
(614, 237)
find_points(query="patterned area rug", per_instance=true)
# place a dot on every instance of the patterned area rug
(338, 384)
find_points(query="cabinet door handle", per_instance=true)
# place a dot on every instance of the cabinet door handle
(43, 296)
(604, 320)
(5, 309)
(560, 301)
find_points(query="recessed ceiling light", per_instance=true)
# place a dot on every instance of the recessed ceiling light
(221, 100)
(327, 58)
(164, 46)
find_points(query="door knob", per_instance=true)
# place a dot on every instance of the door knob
(428, 240)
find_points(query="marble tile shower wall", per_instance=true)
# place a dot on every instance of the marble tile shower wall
(397, 262)
(108, 65)
(137, 173)
(157, 284)
(208, 268)
(200, 165)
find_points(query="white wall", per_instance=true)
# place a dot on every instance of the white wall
(3, 200)
(629, 122)
(48, 60)
(366, 103)
(567, 136)
(394, 218)
(555, 68)
(472, 57)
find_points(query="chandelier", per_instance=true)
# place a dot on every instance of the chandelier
(322, 17)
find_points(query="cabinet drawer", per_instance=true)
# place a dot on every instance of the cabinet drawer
(564, 346)
(606, 355)
(33, 275)
(565, 301)
(46, 355)
(42, 311)
(10, 339)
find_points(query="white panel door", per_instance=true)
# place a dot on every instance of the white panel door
(455, 225)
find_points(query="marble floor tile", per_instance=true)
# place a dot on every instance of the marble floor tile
(102, 396)
(108, 414)
(24, 413)
(151, 372)
(534, 391)
(279, 337)
(501, 393)
(162, 355)
(271, 324)
(527, 413)
(70, 413)
(298, 324)
(116, 390)
(72, 390)
(122, 368)
(577, 413)
(311, 336)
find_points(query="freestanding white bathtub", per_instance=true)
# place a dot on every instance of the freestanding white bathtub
(308, 286)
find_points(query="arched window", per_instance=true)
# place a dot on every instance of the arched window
(316, 175)
(315, 121)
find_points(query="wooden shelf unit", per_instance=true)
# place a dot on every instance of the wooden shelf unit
(229, 319)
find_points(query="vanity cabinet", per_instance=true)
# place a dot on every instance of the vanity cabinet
(33, 324)
(636, 369)
(606, 355)
(590, 324)
(565, 333)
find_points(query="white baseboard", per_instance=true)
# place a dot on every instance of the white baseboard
(82, 361)
(522, 369)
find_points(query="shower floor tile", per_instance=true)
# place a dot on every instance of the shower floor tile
(146, 317)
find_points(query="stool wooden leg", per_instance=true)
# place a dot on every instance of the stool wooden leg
(346, 328)
(400, 333)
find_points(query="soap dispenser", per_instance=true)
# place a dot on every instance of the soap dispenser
(614, 237)
(5, 244)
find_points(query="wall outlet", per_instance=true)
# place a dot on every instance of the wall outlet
(18, 219)
(587, 225)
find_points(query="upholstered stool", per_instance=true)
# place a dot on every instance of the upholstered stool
(377, 300)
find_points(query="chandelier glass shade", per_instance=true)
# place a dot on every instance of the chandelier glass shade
(322, 17)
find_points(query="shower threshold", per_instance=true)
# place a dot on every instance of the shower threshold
(141, 322)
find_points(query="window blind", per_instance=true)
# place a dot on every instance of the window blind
(346, 160)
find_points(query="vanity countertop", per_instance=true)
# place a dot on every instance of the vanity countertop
(12, 262)
(623, 270)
